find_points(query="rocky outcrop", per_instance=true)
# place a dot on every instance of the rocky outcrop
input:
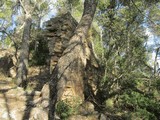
(58, 33)
(16, 105)
(59, 30)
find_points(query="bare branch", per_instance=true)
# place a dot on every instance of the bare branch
(22, 5)
(3, 31)
(144, 14)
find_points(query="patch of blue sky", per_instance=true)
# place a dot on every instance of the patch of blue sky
(154, 43)
(52, 13)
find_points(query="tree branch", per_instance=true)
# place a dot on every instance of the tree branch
(23, 7)
(143, 14)
(15, 44)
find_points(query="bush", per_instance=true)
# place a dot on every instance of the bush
(39, 55)
(139, 106)
(63, 110)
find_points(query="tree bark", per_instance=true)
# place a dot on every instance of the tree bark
(24, 53)
(155, 61)
(70, 67)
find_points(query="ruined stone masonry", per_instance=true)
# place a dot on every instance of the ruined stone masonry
(59, 31)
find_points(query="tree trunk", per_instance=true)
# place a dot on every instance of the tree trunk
(155, 61)
(69, 71)
(24, 54)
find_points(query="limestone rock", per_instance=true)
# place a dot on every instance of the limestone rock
(12, 72)
(45, 96)
(80, 117)
(86, 108)
(58, 33)
(102, 117)
(45, 91)
(38, 114)
(16, 105)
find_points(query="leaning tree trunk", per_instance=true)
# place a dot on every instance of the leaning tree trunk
(70, 67)
(24, 54)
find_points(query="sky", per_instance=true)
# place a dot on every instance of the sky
(51, 14)
(152, 41)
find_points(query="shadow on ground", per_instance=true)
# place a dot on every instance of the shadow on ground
(35, 83)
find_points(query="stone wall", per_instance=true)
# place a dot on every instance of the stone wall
(58, 33)
(59, 30)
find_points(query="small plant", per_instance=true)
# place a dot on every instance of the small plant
(63, 110)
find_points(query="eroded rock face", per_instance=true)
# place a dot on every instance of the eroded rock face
(12, 72)
(45, 96)
(71, 79)
(16, 104)
(59, 31)
(86, 108)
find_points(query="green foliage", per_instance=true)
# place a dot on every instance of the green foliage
(6, 12)
(39, 51)
(63, 110)
(98, 47)
(6, 9)
(154, 16)
(139, 105)
(140, 114)
(156, 84)
(75, 7)
(66, 108)
(127, 81)
(43, 6)
(74, 2)
(7, 41)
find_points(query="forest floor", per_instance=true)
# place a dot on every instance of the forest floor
(19, 104)
(33, 102)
